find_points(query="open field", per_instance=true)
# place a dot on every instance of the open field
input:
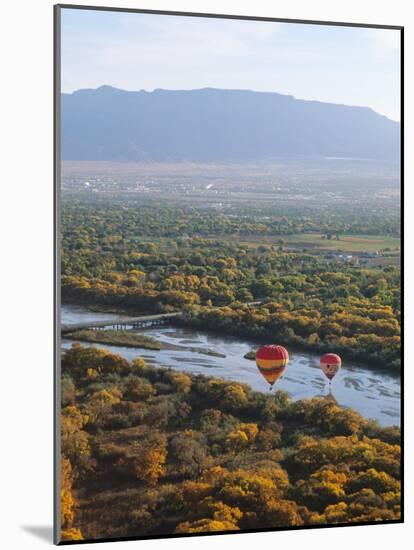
(346, 243)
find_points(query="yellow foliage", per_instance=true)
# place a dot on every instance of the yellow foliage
(243, 435)
(279, 513)
(106, 397)
(334, 479)
(336, 513)
(328, 476)
(139, 364)
(74, 440)
(234, 395)
(150, 464)
(236, 440)
(205, 526)
(66, 497)
(194, 491)
(219, 510)
(243, 486)
(71, 534)
(181, 382)
(91, 373)
(251, 430)
(73, 418)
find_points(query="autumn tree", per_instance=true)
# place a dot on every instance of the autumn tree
(149, 461)
(67, 502)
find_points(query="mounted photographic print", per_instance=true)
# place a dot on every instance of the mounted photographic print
(228, 274)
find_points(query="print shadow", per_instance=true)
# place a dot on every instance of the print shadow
(43, 532)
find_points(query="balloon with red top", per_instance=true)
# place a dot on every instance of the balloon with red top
(271, 361)
(330, 364)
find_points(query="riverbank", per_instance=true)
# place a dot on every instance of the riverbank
(211, 320)
(122, 338)
(129, 339)
(370, 391)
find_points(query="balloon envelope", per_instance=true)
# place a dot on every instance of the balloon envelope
(271, 362)
(330, 364)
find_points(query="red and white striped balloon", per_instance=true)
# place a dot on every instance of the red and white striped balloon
(330, 364)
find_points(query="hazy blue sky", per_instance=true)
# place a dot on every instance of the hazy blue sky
(136, 51)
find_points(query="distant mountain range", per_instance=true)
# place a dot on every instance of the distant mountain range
(214, 125)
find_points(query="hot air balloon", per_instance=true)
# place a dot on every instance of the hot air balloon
(271, 362)
(330, 364)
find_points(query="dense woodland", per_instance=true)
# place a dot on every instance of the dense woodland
(151, 451)
(157, 258)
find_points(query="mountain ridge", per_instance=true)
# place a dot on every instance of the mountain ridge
(212, 124)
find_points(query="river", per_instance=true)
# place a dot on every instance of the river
(373, 393)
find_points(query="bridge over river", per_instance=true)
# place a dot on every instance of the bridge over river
(143, 321)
